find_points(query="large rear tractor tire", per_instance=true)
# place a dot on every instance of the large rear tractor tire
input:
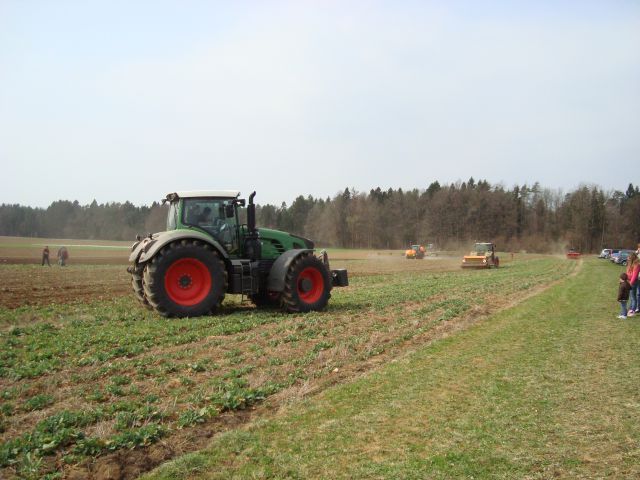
(307, 285)
(185, 279)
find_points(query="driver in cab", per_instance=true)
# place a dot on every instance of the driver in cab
(204, 218)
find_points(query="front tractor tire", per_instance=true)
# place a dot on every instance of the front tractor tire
(185, 279)
(307, 285)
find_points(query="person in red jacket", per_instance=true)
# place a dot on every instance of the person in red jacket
(633, 269)
(63, 256)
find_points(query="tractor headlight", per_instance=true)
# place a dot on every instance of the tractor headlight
(484, 260)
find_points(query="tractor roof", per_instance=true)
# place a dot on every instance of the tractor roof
(202, 194)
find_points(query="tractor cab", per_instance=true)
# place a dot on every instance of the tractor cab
(222, 216)
(483, 248)
(214, 213)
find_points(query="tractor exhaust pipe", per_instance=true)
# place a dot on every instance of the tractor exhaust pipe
(252, 245)
(251, 215)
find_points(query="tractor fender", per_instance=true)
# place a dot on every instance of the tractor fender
(147, 248)
(278, 272)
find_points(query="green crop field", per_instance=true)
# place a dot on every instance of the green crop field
(96, 386)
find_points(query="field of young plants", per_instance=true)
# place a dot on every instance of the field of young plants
(94, 386)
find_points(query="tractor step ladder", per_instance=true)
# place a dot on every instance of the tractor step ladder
(246, 274)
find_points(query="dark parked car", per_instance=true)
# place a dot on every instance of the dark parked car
(614, 255)
(622, 256)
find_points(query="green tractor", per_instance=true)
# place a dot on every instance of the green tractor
(206, 252)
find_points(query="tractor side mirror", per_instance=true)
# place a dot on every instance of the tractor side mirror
(229, 210)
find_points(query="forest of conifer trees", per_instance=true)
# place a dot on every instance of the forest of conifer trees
(530, 218)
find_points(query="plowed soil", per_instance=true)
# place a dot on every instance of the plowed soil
(35, 285)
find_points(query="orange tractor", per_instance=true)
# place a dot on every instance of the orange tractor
(416, 252)
(483, 255)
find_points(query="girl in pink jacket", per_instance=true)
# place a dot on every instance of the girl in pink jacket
(633, 268)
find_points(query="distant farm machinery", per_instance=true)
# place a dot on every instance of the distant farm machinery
(573, 254)
(483, 255)
(416, 252)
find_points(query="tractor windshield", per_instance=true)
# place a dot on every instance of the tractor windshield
(482, 248)
(209, 214)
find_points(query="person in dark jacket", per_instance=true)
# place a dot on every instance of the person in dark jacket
(623, 295)
(45, 256)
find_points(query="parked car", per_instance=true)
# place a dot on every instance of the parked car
(614, 255)
(623, 256)
(605, 253)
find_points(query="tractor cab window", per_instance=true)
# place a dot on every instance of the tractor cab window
(482, 248)
(210, 215)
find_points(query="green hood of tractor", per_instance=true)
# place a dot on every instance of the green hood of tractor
(274, 242)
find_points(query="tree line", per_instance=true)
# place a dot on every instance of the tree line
(66, 219)
(526, 217)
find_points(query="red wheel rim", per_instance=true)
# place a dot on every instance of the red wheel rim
(187, 281)
(310, 285)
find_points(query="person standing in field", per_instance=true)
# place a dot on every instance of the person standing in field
(623, 295)
(633, 269)
(45, 255)
(63, 255)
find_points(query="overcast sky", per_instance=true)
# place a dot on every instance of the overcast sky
(128, 100)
